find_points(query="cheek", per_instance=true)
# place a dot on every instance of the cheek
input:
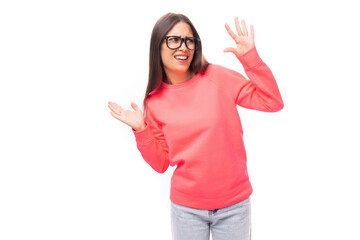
(162, 55)
(165, 56)
(192, 57)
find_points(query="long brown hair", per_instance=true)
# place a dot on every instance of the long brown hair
(156, 68)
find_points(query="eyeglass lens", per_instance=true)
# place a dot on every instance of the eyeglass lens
(175, 42)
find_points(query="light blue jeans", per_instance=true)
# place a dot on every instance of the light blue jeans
(229, 223)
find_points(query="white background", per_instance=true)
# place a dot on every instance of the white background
(69, 170)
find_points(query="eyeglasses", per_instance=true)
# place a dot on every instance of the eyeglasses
(175, 42)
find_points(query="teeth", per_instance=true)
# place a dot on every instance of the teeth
(181, 57)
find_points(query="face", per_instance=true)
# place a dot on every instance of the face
(171, 57)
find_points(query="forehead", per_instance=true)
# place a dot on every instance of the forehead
(181, 29)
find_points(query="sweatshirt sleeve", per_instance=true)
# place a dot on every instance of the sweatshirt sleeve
(152, 144)
(260, 92)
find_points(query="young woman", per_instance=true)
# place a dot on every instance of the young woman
(191, 120)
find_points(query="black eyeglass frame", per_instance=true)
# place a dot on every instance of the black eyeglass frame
(183, 40)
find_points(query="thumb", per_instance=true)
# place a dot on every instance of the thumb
(230, 49)
(134, 106)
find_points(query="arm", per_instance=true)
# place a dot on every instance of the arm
(261, 92)
(152, 144)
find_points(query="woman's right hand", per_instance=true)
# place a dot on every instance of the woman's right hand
(133, 119)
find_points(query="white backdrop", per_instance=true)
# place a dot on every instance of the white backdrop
(69, 170)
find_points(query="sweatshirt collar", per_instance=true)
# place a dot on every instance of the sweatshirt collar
(181, 85)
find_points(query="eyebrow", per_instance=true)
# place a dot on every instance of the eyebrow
(180, 36)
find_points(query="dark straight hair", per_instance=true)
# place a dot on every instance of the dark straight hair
(156, 68)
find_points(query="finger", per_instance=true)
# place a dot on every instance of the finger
(238, 26)
(231, 33)
(252, 33)
(115, 115)
(230, 49)
(115, 108)
(244, 27)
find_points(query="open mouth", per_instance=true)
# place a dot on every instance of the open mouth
(181, 58)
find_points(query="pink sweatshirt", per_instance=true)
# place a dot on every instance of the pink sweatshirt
(196, 126)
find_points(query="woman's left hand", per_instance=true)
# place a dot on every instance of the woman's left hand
(243, 42)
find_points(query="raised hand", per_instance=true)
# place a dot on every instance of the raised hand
(132, 119)
(243, 42)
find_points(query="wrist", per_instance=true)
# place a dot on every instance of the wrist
(250, 58)
(141, 128)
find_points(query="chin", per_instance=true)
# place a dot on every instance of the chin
(180, 69)
(183, 69)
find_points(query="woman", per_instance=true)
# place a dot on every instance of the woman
(191, 121)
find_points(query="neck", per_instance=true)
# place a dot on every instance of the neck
(176, 78)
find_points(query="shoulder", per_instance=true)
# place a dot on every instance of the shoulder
(216, 69)
(217, 72)
(155, 98)
(213, 67)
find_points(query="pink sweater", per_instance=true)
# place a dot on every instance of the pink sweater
(196, 126)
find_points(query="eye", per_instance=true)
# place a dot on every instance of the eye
(190, 40)
(174, 39)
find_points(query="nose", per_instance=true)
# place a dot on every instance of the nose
(182, 46)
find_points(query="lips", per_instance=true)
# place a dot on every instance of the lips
(181, 58)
